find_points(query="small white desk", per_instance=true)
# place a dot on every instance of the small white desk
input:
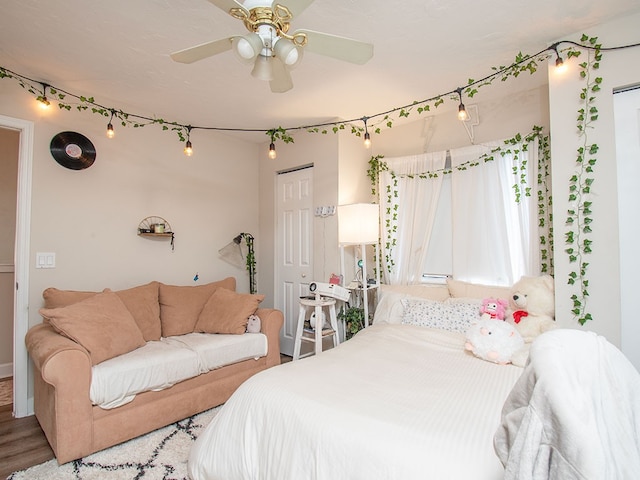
(318, 303)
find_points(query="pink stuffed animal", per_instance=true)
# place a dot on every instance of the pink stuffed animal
(493, 308)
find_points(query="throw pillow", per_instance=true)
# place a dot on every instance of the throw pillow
(54, 298)
(142, 302)
(452, 317)
(227, 312)
(180, 306)
(458, 288)
(101, 324)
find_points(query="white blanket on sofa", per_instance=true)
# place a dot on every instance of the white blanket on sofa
(161, 364)
(574, 413)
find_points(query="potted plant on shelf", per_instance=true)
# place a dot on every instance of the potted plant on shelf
(353, 318)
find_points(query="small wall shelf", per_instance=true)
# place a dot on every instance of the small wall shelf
(156, 227)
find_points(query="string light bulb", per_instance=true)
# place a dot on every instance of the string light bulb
(110, 131)
(367, 137)
(463, 116)
(272, 150)
(44, 101)
(188, 148)
(560, 66)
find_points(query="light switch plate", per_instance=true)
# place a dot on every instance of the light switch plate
(45, 260)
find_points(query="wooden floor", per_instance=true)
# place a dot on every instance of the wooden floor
(22, 443)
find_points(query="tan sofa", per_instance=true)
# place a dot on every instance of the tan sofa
(74, 426)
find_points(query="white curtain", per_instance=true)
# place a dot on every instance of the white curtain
(494, 238)
(404, 254)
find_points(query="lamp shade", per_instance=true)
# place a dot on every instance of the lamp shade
(358, 223)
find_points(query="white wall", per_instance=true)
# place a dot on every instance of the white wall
(618, 68)
(89, 218)
(499, 118)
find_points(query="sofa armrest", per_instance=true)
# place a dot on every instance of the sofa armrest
(61, 396)
(271, 321)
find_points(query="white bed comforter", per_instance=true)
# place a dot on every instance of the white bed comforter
(394, 402)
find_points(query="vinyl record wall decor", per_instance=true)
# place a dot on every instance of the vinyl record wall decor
(72, 150)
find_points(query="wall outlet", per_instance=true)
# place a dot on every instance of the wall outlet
(325, 211)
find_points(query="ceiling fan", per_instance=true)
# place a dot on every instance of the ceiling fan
(268, 44)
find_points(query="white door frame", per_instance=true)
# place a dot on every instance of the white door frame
(21, 407)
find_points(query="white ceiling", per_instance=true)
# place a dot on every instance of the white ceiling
(117, 51)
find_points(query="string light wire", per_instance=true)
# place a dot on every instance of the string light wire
(5, 72)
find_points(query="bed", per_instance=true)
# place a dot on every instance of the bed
(397, 401)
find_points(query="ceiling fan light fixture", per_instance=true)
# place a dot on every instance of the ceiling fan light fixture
(287, 52)
(249, 46)
(262, 68)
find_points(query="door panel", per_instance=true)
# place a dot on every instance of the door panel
(294, 247)
(627, 124)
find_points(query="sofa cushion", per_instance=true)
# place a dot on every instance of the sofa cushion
(101, 324)
(155, 366)
(180, 306)
(142, 302)
(227, 312)
(55, 298)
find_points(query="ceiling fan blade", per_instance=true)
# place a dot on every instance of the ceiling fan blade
(227, 5)
(340, 48)
(296, 7)
(281, 78)
(209, 49)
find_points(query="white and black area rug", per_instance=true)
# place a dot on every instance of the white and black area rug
(159, 455)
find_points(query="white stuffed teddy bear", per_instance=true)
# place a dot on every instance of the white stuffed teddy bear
(532, 305)
(532, 311)
(493, 340)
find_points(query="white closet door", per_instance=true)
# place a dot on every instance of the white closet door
(294, 248)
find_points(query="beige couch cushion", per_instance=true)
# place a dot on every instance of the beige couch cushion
(142, 303)
(101, 323)
(180, 306)
(227, 312)
(54, 298)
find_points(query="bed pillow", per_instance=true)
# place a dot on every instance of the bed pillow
(180, 306)
(458, 288)
(142, 302)
(452, 317)
(227, 312)
(102, 324)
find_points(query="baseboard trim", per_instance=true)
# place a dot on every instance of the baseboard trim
(6, 370)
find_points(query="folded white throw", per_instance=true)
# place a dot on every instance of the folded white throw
(573, 414)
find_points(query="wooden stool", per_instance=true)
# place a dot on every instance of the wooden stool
(316, 336)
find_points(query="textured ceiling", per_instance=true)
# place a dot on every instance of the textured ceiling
(118, 52)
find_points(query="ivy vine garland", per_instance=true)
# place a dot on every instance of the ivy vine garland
(579, 219)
